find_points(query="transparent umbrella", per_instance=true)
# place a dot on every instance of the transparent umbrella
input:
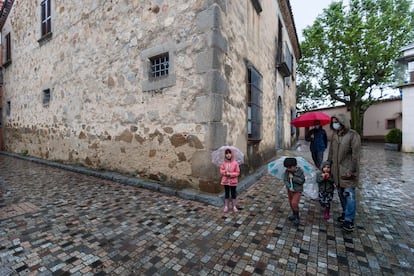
(217, 156)
(277, 169)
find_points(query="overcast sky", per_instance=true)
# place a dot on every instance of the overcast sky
(305, 12)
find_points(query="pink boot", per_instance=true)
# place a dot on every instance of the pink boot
(233, 201)
(226, 206)
(326, 215)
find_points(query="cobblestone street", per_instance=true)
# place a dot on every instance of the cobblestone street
(57, 222)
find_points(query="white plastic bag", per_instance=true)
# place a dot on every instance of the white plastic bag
(311, 190)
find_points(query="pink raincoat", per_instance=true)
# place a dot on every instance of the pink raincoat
(234, 170)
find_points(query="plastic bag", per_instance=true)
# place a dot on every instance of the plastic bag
(311, 190)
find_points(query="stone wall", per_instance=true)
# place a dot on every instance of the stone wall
(105, 112)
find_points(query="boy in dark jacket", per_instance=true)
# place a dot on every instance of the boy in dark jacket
(326, 186)
(293, 179)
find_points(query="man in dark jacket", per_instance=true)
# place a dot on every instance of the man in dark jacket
(318, 143)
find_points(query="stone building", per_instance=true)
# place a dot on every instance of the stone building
(149, 88)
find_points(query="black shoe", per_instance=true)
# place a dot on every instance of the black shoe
(296, 222)
(341, 218)
(292, 217)
(348, 226)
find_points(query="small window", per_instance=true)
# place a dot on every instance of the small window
(391, 124)
(158, 72)
(46, 97)
(46, 18)
(8, 108)
(159, 66)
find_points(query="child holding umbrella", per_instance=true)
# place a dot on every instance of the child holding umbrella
(294, 178)
(230, 171)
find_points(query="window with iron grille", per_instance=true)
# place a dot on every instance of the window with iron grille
(46, 97)
(254, 104)
(46, 18)
(159, 66)
(159, 69)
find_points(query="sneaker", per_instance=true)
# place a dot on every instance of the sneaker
(235, 210)
(292, 217)
(348, 226)
(226, 209)
(341, 218)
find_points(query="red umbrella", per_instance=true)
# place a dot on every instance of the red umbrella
(308, 119)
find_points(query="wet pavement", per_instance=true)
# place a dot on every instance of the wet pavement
(58, 222)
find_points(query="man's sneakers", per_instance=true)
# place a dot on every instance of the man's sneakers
(341, 219)
(348, 226)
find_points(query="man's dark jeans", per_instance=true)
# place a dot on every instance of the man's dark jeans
(317, 158)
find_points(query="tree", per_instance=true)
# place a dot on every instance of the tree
(350, 51)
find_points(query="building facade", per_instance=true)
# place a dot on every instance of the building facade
(149, 88)
(407, 90)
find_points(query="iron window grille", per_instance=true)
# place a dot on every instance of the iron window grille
(159, 66)
(254, 104)
(46, 17)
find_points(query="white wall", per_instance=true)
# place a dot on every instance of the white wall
(408, 117)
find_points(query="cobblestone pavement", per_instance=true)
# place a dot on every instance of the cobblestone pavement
(57, 222)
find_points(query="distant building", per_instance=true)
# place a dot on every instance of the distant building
(150, 88)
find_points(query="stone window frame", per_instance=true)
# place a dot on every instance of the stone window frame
(156, 84)
(45, 14)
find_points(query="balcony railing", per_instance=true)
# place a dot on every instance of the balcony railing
(284, 60)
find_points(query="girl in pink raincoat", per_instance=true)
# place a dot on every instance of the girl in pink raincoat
(230, 172)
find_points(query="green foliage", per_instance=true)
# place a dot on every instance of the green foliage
(394, 136)
(25, 152)
(349, 52)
